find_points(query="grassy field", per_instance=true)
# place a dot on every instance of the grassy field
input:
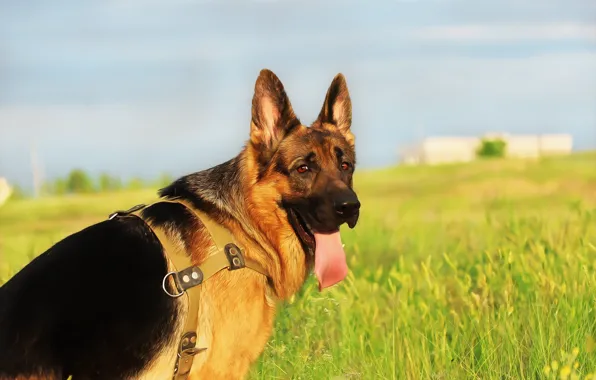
(478, 271)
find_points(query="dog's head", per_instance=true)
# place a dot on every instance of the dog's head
(310, 168)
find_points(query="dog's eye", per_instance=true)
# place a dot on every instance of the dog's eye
(303, 169)
(346, 165)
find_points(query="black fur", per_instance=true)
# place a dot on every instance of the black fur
(280, 167)
(338, 90)
(95, 298)
(91, 306)
(216, 191)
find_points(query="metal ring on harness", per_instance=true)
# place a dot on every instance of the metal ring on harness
(163, 286)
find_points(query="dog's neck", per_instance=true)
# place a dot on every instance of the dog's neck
(220, 192)
(215, 191)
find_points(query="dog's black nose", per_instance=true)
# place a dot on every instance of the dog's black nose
(347, 206)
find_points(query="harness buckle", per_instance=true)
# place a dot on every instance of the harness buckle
(234, 256)
(186, 351)
(191, 351)
(129, 211)
(163, 285)
(189, 277)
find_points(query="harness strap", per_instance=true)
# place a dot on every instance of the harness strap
(187, 346)
(187, 276)
(221, 237)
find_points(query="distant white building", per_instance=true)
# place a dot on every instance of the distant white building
(437, 150)
(5, 190)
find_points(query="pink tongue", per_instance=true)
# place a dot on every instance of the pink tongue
(330, 259)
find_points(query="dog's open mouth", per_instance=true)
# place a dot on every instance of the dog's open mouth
(303, 231)
(327, 248)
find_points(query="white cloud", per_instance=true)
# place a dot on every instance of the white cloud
(97, 118)
(509, 32)
(545, 78)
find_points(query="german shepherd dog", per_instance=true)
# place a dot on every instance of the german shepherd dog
(92, 306)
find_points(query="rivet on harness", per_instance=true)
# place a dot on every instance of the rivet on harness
(228, 255)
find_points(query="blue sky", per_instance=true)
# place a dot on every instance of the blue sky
(137, 88)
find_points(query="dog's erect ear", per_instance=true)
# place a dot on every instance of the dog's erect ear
(337, 108)
(272, 114)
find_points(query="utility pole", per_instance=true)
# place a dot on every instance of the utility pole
(35, 171)
(421, 148)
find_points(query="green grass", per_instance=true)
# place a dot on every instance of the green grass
(477, 271)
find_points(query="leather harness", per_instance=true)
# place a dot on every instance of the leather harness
(186, 276)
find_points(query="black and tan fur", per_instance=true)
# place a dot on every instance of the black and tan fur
(92, 306)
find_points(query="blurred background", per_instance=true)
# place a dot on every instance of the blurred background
(475, 123)
(140, 88)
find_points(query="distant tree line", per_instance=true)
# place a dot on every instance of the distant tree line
(492, 148)
(77, 181)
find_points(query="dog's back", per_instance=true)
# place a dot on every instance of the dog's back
(90, 301)
(92, 306)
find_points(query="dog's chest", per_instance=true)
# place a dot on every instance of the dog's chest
(235, 320)
(234, 333)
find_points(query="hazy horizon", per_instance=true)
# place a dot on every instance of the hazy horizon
(140, 88)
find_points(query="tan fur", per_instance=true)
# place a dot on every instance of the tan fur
(346, 134)
(237, 308)
(239, 341)
(236, 312)
(163, 365)
(224, 296)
